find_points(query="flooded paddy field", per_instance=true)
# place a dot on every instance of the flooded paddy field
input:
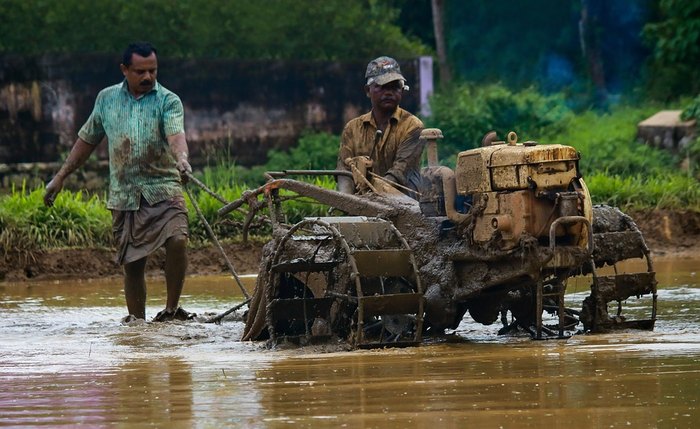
(65, 360)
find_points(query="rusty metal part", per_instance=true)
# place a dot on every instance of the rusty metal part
(430, 136)
(287, 173)
(489, 139)
(617, 239)
(349, 298)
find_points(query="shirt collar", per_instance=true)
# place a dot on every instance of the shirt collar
(368, 118)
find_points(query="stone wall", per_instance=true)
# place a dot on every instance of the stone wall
(666, 130)
(242, 108)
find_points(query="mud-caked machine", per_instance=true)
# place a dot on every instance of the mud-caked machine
(497, 237)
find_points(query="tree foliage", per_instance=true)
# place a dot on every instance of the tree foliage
(268, 29)
(676, 42)
(677, 36)
(511, 41)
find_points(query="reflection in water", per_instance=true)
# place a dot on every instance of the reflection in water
(65, 360)
(482, 386)
(160, 389)
(134, 392)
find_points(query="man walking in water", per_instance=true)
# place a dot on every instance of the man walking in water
(148, 162)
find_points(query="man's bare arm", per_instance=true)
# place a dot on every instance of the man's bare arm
(80, 152)
(178, 146)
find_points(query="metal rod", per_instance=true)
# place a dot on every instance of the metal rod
(367, 182)
(204, 187)
(394, 183)
(216, 242)
(219, 318)
(233, 205)
(285, 173)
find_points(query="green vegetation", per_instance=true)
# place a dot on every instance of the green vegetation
(496, 41)
(231, 226)
(667, 191)
(75, 220)
(466, 112)
(675, 38)
(314, 152)
(276, 29)
(78, 220)
(607, 142)
(692, 151)
(692, 110)
(621, 171)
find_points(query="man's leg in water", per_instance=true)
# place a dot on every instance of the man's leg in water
(175, 269)
(135, 287)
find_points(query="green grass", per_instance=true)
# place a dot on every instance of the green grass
(672, 191)
(607, 142)
(78, 220)
(75, 220)
(621, 171)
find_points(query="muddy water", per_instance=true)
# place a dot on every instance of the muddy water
(66, 360)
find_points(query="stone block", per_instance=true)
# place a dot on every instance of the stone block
(666, 130)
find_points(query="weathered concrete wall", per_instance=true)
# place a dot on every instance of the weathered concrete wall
(243, 108)
(666, 130)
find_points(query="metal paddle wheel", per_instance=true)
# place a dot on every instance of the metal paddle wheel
(618, 241)
(622, 298)
(353, 277)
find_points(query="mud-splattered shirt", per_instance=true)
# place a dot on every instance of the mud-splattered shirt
(140, 159)
(397, 152)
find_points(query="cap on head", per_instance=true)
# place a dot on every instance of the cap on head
(383, 70)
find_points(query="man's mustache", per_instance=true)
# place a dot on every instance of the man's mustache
(146, 82)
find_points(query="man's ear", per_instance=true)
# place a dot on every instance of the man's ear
(123, 68)
(367, 90)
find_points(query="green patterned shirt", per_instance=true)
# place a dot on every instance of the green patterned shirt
(140, 159)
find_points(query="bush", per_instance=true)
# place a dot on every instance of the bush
(331, 30)
(692, 151)
(315, 151)
(692, 110)
(466, 112)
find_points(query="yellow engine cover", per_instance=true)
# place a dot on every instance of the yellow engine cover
(515, 167)
(525, 187)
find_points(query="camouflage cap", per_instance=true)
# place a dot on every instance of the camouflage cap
(383, 70)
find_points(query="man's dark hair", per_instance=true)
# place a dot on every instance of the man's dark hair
(142, 49)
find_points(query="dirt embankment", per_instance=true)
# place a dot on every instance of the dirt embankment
(668, 233)
(99, 263)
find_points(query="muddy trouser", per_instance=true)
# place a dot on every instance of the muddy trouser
(138, 233)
